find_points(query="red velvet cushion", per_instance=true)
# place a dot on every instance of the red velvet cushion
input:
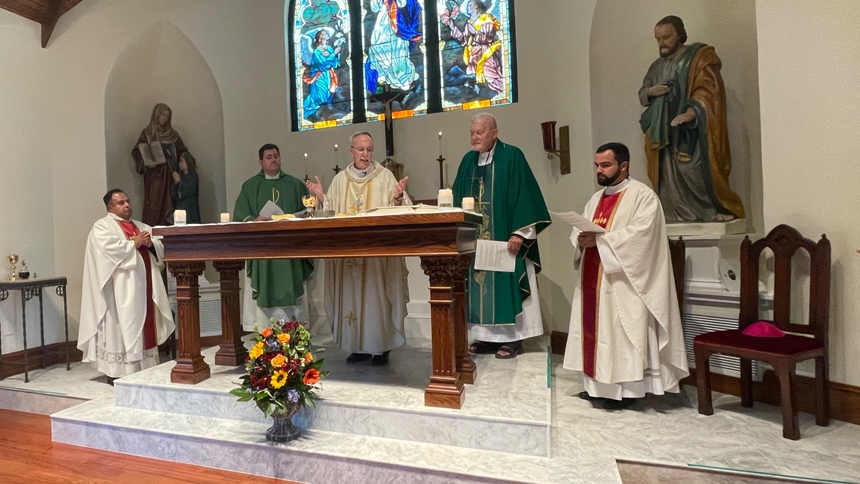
(763, 329)
(788, 345)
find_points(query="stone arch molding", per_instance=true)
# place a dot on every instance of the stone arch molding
(163, 65)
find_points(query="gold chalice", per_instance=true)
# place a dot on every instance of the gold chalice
(13, 259)
(310, 202)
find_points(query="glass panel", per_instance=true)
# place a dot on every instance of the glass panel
(394, 57)
(475, 53)
(323, 79)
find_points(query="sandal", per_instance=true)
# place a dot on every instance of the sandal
(483, 348)
(512, 349)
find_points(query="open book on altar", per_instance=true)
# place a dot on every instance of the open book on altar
(152, 154)
(407, 209)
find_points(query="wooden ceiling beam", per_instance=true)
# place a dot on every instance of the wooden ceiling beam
(44, 12)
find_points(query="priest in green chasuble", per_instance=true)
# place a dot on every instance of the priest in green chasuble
(365, 298)
(273, 288)
(503, 307)
(625, 325)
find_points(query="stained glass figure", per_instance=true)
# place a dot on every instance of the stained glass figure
(475, 53)
(321, 33)
(394, 57)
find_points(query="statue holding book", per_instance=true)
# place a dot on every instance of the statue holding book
(156, 157)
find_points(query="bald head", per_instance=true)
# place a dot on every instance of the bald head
(483, 132)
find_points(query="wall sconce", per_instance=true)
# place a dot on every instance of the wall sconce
(549, 144)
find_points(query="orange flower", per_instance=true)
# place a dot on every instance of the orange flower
(311, 377)
(308, 358)
(278, 361)
(284, 338)
(265, 333)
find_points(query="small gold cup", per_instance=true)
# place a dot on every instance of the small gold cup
(310, 202)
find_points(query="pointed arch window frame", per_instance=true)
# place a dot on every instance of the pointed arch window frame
(433, 77)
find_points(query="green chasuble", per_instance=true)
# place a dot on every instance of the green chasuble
(508, 196)
(276, 283)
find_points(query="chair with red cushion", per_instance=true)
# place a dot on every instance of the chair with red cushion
(800, 342)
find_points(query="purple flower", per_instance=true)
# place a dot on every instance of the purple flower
(292, 395)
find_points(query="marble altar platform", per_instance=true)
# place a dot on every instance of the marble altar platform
(584, 440)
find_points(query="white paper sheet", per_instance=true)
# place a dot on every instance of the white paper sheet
(578, 221)
(270, 209)
(493, 255)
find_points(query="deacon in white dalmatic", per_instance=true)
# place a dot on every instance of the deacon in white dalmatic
(125, 312)
(625, 324)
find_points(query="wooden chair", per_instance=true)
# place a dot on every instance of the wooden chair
(781, 353)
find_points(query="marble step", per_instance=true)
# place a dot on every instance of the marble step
(507, 410)
(316, 457)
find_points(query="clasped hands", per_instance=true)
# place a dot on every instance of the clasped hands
(143, 238)
(587, 239)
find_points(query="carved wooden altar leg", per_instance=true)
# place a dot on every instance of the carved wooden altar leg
(445, 388)
(190, 367)
(232, 351)
(464, 364)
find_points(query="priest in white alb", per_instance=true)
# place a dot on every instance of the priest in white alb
(625, 325)
(365, 298)
(125, 313)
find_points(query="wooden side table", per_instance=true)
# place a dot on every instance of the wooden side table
(28, 289)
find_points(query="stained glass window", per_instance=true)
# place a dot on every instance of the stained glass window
(348, 58)
(475, 57)
(323, 77)
(394, 59)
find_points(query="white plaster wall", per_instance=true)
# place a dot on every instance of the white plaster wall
(622, 49)
(809, 62)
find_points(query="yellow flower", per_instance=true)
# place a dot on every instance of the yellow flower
(278, 361)
(308, 358)
(279, 379)
(257, 350)
(284, 338)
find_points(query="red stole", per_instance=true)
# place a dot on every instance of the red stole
(592, 274)
(149, 339)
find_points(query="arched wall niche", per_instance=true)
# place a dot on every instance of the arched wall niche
(163, 65)
(622, 48)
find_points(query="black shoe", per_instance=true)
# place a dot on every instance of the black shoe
(380, 360)
(357, 357)
(610, 404)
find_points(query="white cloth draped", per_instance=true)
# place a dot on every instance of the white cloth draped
(113, 301)
(640, 344)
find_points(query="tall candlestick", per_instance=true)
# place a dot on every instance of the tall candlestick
(440, 143)
(306, 167)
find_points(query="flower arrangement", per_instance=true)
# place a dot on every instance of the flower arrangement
(282, 369)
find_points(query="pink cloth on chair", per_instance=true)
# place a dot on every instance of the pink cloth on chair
(763, 329)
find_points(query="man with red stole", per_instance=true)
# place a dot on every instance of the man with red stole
(125, 313)
(625, 325)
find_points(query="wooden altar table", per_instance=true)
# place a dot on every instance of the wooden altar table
(445, 242)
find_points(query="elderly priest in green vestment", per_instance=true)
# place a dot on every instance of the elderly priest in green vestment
(503, 307)
(273, 288)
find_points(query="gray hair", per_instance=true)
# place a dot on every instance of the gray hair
(357, 134)
(489, 118)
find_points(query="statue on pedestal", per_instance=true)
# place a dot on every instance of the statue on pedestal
(156, 157)
(686, 135)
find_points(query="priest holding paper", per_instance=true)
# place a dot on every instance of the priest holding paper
(273, 288)
(503, 306)
(625, 325)
(125, 313)
(365, 298)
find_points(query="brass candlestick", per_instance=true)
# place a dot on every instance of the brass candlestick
(13, 259)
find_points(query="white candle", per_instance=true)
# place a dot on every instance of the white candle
(179, 217)
(469, 204)
(446, 198)
(225, 217)
(440, 144)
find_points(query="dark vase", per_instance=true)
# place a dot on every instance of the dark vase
(283, 430)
